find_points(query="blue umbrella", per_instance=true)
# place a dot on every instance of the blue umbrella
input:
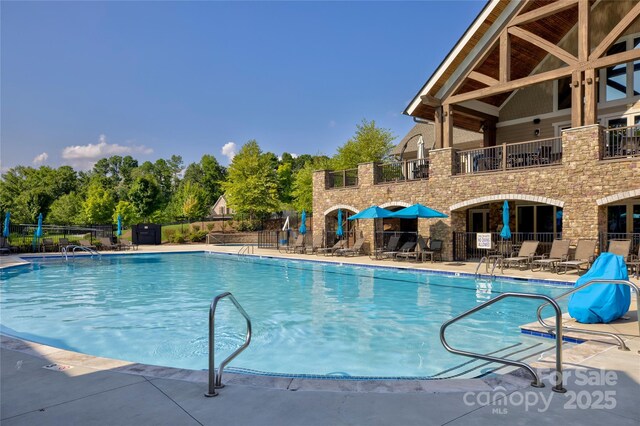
(7, 221)
(119, 231)
(39, 229)
(418, 210)
(506, 232)
(339, 231)
(373, 212)
(303, 219)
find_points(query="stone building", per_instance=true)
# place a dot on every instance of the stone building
(537, 104)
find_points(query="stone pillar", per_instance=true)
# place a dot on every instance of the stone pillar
(320, 179)
(440, 163)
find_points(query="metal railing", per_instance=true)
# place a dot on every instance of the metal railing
(519, 155)
(620, 142)
(605, 237)
(536, 378)
(21, 235)
(74, 248)
(215, 380)
(342, 178)
(621, 345)
(248, 249)
(465, 248)
(401, 171)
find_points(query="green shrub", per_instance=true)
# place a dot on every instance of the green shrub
(197, 236)
(195, 227)
(169, 234)
(179, 238)
(210, 226)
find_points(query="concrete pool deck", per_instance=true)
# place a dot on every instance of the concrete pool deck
(603, 385)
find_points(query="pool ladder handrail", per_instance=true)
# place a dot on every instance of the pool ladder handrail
(537, 382)
(65, 251)
(483, 260)
(215, 380)
(246, 249)
(621, 345)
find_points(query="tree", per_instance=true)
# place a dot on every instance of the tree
(66, 210)
(193, 201)
(145, 196)
(370, 143)
(99, 205)
(252, 183)
(302, 187)
(126, 211)
(209, 174)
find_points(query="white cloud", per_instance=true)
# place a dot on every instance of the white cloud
(229, 150)
(39, 159)
(294, 155)
(85, 156)
(332, 123)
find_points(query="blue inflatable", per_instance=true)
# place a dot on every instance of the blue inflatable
(602, 303)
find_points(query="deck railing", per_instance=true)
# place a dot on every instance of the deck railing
(465, 247)
(520, 155)
(400, 171)
(343, 178)
(621, 142)
(605, 237)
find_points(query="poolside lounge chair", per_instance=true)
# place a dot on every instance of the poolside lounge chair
(559, 253)
(5, 247)
(62, 243)
(525, 256)
(106, 244)
(87, 244)
(406, 247)
(47, 244)
(584, 255)
(419, 251)
(298, 245)
(620, 247)
(634, 263)
(351, 251)
(127, 245)
(316, 243)
(392, 245)
(435, 249)
(331, 250)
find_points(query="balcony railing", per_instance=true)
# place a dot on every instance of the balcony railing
(621, 142)
(520, 155)
(402, 171)
(343, 178)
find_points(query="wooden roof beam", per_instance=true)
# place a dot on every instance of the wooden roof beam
(618, 58)
(551, 48)
(615, 33)
(543, 12)
(430, 100)
(482, 78)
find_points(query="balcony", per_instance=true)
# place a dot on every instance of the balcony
(342, 178)
(401, 171)
(620, 142)
(520, 155)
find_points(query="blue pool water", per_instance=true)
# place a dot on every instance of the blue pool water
(308, 317)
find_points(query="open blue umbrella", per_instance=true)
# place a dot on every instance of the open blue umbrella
(303, 226)
(373, 212)
(119, 231)
(506, 231)
(418, 211)
(7, 221)
(339, 231)
(39, 228)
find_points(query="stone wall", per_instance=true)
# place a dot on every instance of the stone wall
(575, 185)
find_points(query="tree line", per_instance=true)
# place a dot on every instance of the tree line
(256, 184)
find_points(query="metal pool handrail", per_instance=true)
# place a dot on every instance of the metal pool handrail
(621, 345)
(215, 381)
(65, 251)
(536, 379)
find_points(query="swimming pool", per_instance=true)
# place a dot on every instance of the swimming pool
(308, 317)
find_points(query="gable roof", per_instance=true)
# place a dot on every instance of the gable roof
(427, 130)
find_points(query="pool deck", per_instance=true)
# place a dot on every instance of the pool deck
(603, 384)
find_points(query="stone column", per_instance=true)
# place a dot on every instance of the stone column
(320, 179)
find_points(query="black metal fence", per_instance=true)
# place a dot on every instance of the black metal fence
(605, 237)
(279, 239)
(465, 246)
(382, 238)
(343, 178)
(22, 235)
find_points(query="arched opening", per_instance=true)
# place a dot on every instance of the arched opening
(349, 227)
(621, 219)
(406, 229)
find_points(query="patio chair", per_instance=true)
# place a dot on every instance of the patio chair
(298, 245)
(316, 243)
(406, 247)
(127, 245)
(584, 255)
(62, 243)
(87, 244)
(435, 249)
(421, 248)
(392, 246)
(5, 247)
(47, 244)
(525, 256)
(634, 263)
(351, 251)
(106, 244)
(559, 253)
(620, 247)
(330, 250)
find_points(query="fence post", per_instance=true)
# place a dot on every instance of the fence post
(504, 156)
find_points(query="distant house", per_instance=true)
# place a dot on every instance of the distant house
(220, 208)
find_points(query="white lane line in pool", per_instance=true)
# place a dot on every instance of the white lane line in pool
(57, 367)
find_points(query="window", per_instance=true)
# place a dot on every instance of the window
(564, 93)
(616, 76)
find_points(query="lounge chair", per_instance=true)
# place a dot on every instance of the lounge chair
(331, 250)
(405, 248)
(526, 255)
(87, 244)
(620, 247)
(559, 253)
(316, 243)
(392, 245)
(356, 250)
(634, 263)
(298, 245)
(435, 249)
(47, 244)
(584, 255)
(106, 244)
(5, 247)
(62, 243)
(127, 245)
(419, 251)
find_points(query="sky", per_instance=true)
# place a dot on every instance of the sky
(84, 80)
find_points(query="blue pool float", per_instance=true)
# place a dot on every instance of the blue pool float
(602, 303)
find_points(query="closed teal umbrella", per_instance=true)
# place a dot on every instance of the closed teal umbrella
(339, 231)
(119, 231)
(7, 221)
(39, 228)
(303, 219)
(506, 231)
